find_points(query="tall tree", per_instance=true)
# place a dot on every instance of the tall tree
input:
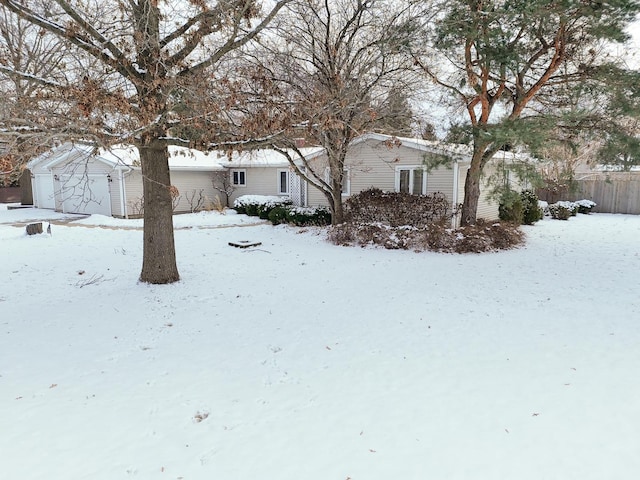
(155, 58)
(28, 49)
(504, 60)
(332, 68)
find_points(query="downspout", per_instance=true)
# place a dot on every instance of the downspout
(456, 174)
(123, 195)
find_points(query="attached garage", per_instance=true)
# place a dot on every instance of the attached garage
(80, 178)
(73, 179)
(43, 191)
(85, 194)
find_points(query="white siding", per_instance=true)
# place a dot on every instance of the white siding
(133, 193)
(373, 164)
(259, 181)
(192, 186)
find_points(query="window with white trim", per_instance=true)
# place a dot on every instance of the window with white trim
(411, 179)
(283, 182)
(346, 180)
(239, 178)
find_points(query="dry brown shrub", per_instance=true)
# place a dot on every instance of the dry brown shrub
(437, 237)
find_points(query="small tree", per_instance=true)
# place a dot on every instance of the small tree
(221, 181)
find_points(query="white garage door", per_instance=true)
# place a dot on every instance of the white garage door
(85, 194)
(44, 197)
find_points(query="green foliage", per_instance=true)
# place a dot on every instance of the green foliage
(433, 161)
(278, 215)
(585, 206)
(560, 211)
(504, 68)
(306, 216)
(621, 149)
(300, 216)
(459, 133)
(531, 211)
(259, 205)
(395, 115)
(519, 207)
(510, 208)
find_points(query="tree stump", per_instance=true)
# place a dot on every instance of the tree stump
(34, 228)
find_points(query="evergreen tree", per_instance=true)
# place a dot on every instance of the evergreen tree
(509, 64)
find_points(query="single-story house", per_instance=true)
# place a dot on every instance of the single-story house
(414, 166)
(78, 178)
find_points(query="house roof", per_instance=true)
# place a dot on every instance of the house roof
(180, 158)
(459, 152)
(266, 157)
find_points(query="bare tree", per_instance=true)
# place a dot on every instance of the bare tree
(221, 181)
(160, 67)
(330, 72)
(34, 53)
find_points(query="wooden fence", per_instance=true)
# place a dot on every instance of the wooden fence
(613, 192)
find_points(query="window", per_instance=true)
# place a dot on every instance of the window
(346, 180)
(283, 182)
(411, 179)
(239, 178)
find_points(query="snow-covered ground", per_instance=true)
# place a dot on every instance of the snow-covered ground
(301, 360)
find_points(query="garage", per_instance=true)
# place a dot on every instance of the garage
(85, 194)
(43, 188)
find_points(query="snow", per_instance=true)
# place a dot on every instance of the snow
(299, 359)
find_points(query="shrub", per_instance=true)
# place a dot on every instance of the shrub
(482, 237)
(561, 210)
(300, 216)
(511, 208)
(259, 205)
(395, 208)
(585, 206)
(306, 216)
(278, 215)
(531, 211)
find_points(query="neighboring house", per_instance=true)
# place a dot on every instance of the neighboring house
(78, 178)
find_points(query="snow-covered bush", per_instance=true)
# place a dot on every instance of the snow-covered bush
(259, 205)
(511, 208)
(300, 216)
(562, 210)
(520, 207)
(531, 211)
(585, 206)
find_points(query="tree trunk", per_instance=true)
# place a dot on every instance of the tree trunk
(337, 216)
(472, 185)
(159, 254)
(471, 196)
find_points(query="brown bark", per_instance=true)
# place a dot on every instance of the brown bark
(482, 152)
(337, 215)
(471, 194)
(159, 256)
